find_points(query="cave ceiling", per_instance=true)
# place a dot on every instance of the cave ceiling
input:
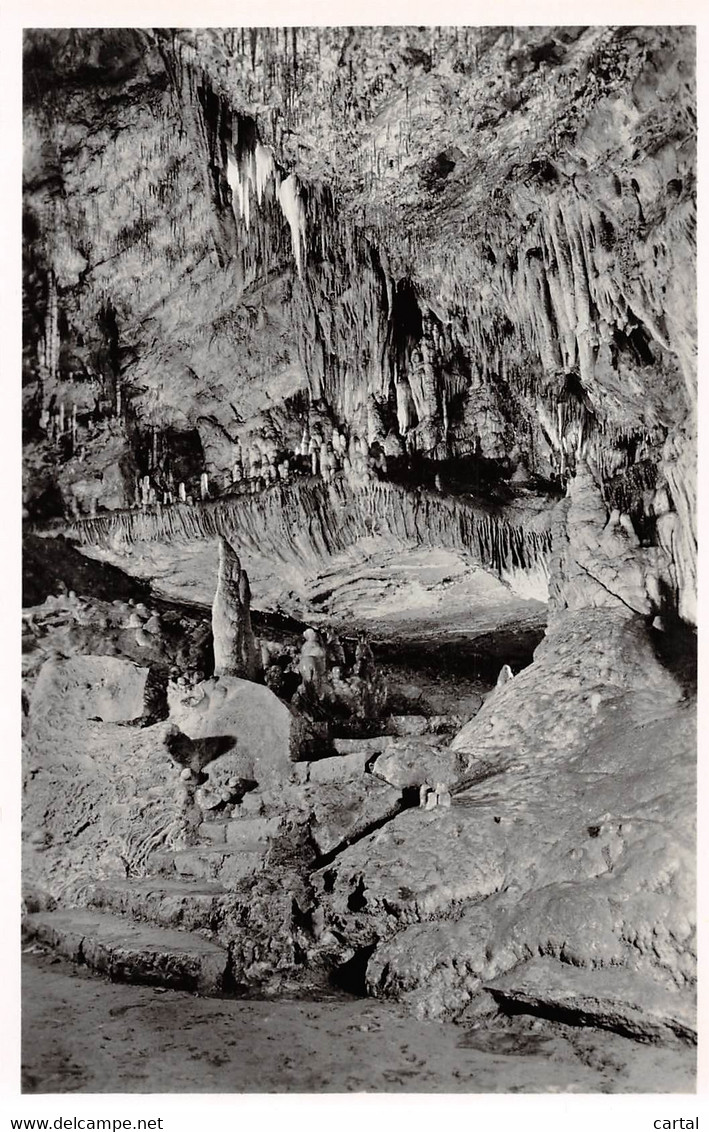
(470, 247)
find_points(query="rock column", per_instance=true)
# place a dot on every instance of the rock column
(234, 643)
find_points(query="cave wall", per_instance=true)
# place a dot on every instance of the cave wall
(467, 244)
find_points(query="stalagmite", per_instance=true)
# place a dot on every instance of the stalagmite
(182, 493)
(248, 649)
(313, 661)
(204, 485)
(234, 645)
(254, 464)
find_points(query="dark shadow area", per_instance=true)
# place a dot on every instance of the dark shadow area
(676, 649)
(582, 1018)
(53, 565)
(477, 658)
(352, 975)
(486, 480)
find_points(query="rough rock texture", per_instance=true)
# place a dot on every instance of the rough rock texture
(268, 733)
(126, 951)
(379, 557)
(341, 768)
(411, 762)
(306, 523)
(481, 252)
(99, 800)
(68, 625)
(344, 812)
(603, 563)
(234, 643)
(603, 998)
(84, 688)
(596, 871)
(352, 302)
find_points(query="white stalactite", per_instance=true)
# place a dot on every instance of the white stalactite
(252, 175)
(294, 211)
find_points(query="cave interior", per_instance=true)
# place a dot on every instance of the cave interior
(360, 522)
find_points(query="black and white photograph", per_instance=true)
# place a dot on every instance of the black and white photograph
(359, 560)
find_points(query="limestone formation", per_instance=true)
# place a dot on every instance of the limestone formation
(266, 736)
(397, 325)
(234, 643)
(313, 661)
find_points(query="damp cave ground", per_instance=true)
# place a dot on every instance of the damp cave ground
(84, 1034)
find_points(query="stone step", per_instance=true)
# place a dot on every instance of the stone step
(247, 833)
(407, 725)
(340, 768)
(371, 746)
(213, 832)
(242, 833)
(186, 904)
(206, 862)
(130, 952)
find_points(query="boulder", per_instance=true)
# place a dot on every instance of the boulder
(268, 734)
(411, 762)
(610, 998)
(70, 693)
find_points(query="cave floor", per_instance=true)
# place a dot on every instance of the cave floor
(83, 1034)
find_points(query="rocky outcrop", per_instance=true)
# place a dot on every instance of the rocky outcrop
(676, 518)
(86, 688)
(99, 797)
(596, 872)
(598, 559)
(610, 998)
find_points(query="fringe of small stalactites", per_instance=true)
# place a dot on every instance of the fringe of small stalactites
(306, 522)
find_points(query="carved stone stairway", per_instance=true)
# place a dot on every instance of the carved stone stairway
(164, 929)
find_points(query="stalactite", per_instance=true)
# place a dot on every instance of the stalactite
(303, 522)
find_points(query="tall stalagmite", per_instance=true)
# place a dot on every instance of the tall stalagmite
(234, 644)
